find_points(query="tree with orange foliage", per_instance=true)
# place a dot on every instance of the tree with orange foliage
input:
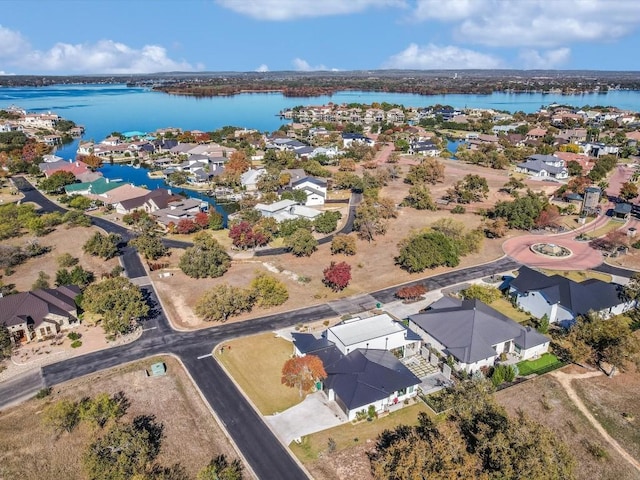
(549, 217)
(238, 163)
(303, 372)
(93, 161)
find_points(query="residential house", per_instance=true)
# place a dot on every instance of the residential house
(543, 166)
(349, 138)
(98, 186)
(286, 210)
(40, 313)
(249, 179)
(596, 149)
(395, 115)
(536, 134)
(585, 162)
(315, 188)
(425, 148)
(184, 209)
(474, 334)
(117, 195)
(151, 202)
(76, 167)
(562, 299)
(360, 371)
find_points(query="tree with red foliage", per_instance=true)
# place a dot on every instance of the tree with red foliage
(303, 372)
(337, 276)
(244, 236)
(549, 217)
(201, 220)
(186, 226)
(237, 164)
(411, 292)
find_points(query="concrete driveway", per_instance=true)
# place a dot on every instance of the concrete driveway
(314, 414)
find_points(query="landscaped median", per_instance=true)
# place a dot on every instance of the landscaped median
(544, 364)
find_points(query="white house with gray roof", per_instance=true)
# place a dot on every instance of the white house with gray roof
(315, 188)
(286, 210)
(543, 166)
(475, 334)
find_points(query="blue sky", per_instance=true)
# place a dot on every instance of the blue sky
(146, 36)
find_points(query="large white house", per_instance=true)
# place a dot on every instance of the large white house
(315, 188)
(562, 299)
(475, 334)
(286, 210)
(543, 166)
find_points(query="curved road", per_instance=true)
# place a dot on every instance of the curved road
(267, 457)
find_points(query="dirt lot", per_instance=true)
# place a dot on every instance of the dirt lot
(373, 266)
(30, 450)
(544, 400)
(63, 240)
(613, 402)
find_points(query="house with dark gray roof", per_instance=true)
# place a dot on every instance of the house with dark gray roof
(562, 299)
(475, 334)
(315, 188)
(360, 357)
(543, 166)
(39, 314)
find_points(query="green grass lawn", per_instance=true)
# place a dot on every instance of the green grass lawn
(578, 276)
(610, 226)
(256, 362)
(504, 306)
(541, 365)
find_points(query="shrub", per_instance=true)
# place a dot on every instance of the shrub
(73, 336)
(458, 209)
(482, 293)
(337, 276)
(43, 392)
(344, 244)
(411, 292)
(76, 344)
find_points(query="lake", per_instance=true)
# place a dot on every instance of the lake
(102, 109)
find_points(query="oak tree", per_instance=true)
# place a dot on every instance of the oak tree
(303, 372)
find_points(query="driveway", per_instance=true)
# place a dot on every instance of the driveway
(314, 414)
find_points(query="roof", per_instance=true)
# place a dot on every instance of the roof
(98, 186)
(359, 330)
(316, 181)
(276, 206)
(624, 208)
(577, 297)
(470, 330)
(124, 192)
(366, 376)
(37, 304)
(539, 165)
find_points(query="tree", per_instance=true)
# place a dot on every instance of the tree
(223, 301)
(118, 301)
(62, 416)
(221, 469)
(268, 291)
(76, 276)
(427, 250)
(631, 290)
(496, 228)
(628, 191)
(480, 292)
(74, 218)
(472, 188)
(303, 372)
(6, 345)
(216, 220)
(102, 408)
(57, 181)
(187, 226)
(238, 163)
(522, 212)
(301, 243)
(411, 292)
(41, 282)
(337, 276)
(80, 203)
(149, 245)
(104, 246)
(574, 168)
(419, 198)
(206, 258)
(287, 227)
(549, 217)
(125, 450)
(243, 235)
(429, 171)
(177, 178)
(610, 341)
(201, 219)
(342, 243)
(326, 222)
(368, 223)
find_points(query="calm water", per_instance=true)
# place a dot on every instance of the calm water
(103, 109)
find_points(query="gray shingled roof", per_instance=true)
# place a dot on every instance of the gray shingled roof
(470, 330)
(37, 304)
(577, 297)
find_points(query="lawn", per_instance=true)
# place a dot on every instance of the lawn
(610, 226)
(504, 306)
(349, 435)
(545, 363)
(255, 363)
(578, 275)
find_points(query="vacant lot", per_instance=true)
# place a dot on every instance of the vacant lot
(614, 402)
(544, 400)
(30, 450)
(62, 240)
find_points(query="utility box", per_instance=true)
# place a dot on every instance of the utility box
(157, 370)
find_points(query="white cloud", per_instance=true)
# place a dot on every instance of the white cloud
(105, 56)
(303, 66)
(12, 43)
(4, 74)
(292, 9)
(533, 23)
(434, 57)
(263, 68)
(533, 59)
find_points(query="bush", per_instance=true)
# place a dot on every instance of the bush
(43, 392)
(482, 293)
(411, 292)
(458, 209)
(76, 344)
(74, 336)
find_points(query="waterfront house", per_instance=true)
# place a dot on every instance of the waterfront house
(249, 179)
(76, 167)
(98, 186)
(151, 202)
(184, 209)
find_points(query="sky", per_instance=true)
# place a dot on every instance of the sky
(66, 37)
